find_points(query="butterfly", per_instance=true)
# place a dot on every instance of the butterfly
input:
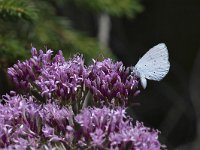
(154, 65)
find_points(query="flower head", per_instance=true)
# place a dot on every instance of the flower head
(62, 79)
(111, 82)
(112, 129)
(53, 77)
(26, 124)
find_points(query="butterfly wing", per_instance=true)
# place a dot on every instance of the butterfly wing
(154, 65)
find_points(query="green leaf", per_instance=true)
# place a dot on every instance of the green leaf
(13, 10)
(112, 7)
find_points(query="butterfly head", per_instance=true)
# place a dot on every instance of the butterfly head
(135, 71)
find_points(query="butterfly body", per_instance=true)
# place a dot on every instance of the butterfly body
(154, 65)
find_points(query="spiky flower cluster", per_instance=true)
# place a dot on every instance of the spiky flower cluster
(111, 82)
(69, 80)
(28, 125)
(53, 77)
(111, 128)
(63, 120)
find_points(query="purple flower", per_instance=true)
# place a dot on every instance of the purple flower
(57, 117)
(67, 80)
(111, 129)
(22, 74)
(62, 78)
(53, 77)
(26, 124)
(111, 82)
(139, 137)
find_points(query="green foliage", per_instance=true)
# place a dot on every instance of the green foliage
(12, 9)
(10, 51)
(112, 7)
(27, 23)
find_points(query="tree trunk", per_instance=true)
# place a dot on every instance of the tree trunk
(104, 26)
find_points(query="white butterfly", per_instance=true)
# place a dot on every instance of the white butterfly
(154, 65)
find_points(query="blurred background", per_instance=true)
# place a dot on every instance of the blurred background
(123, 30)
